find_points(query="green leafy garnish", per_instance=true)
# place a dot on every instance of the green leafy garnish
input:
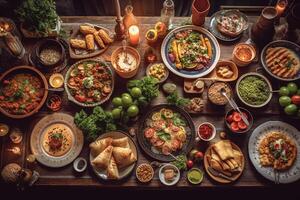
(175, 99)
(163, 136)
(180, 162)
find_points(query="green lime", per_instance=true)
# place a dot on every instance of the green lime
(117, 101)
(126, 101)
(132, 111)
(136, 92)
(292, 88)
(116, 113)
(284, 91)
(126, 94)
(285, 101)
(291, 109)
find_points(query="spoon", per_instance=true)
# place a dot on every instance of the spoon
(234, 106)
(170, 154)
(124, 49)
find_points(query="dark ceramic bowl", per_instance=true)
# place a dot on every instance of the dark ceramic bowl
(250, 119)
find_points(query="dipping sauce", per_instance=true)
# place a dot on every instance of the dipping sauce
(243, 54)
(205, 131)
(195, 176)
(214, 94)
(126, 61)
(50, 55)
(56, 80)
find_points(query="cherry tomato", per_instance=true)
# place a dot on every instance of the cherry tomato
(296, 99)
(199, 155)
(236, 117)
(149, 133)
(234, 126)
(242, 125)
(80, 98)
(229, 119)
(190, 163)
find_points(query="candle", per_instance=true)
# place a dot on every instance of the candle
(16, 136)
(30, 158)
(243, 54)
(134, 35)
(15, 150)
(3, 129)
(280, 7)
(118, 10)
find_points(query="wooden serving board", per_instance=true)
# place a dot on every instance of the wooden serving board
(82, 53)
(220, 179)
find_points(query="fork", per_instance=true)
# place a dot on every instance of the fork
(276, 177)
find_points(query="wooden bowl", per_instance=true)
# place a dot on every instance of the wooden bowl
(32, 70)
(130, 50)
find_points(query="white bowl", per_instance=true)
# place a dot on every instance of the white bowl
(162, 178)
(214, 131)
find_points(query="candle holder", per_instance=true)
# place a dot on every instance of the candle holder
(120, 30)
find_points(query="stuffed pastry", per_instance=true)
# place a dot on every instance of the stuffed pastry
(102, 160)
(105, 37)
(99, 145)
(99, 40)
(223, 149)
(121, 142)
(112, 169)
(78, 44)
(85, 29)
(123, 156)
(90, 42)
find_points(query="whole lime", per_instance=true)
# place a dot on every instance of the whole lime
(284, 91)
(290, 109)
(116, 113)
(285, 101)
(292, 88)
(126, 101)
(125, 94)
(117, 101)
(136, 92)
(132, 111)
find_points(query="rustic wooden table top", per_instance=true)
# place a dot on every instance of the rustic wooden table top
(65, 176)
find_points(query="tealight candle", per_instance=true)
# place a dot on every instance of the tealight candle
(243, 54)
(15, 150)
(56, 80)
(4, 129)
(16, 136)
(280, 7)
(134, 35)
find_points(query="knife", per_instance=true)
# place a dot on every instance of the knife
(219, 174)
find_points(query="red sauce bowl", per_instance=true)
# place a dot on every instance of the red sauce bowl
(206, 131)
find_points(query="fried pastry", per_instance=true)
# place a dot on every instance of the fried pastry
(90, 43)
(112, 169)
(99, 145)
(86, 29)
(99, 40)
(78, 44)
(123, 156)
(121, 142)
(105, 37)
(102, 160)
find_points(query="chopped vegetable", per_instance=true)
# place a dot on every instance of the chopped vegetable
(180, 162)
(176, 100)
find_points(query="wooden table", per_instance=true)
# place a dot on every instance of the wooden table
(65, 176)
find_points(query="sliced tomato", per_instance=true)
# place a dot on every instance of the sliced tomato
(236, 117)
(175, 145)
(149, 132)
(242, 125)
(234, 126)
(229, 119)
(159, 143)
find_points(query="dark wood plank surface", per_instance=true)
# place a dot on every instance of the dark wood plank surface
(67, 176)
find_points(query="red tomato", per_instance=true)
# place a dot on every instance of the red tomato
(199, 155)
(80, 98)
(190, 163)
(205, 131)
(149, 133)
(234, 126)
(159, 143)
(242, 125)
(236, 117)
(229, 119)
(175, 145)
(296, 99)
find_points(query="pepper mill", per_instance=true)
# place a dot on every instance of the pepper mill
(119, 28)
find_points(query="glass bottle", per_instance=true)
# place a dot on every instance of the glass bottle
(129, 18)
(167, 13)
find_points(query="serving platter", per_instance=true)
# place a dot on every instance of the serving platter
(280, 43)
(287, 176)
(82, 53)
(214, 29)
(124, 172)
(218, 178)
(40, 131)
(146, 145)
(189, 73)
(68, 75)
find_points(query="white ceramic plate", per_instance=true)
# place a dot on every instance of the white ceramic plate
(38, 133)
(162, 178)
(124, 171)
(287, 176)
